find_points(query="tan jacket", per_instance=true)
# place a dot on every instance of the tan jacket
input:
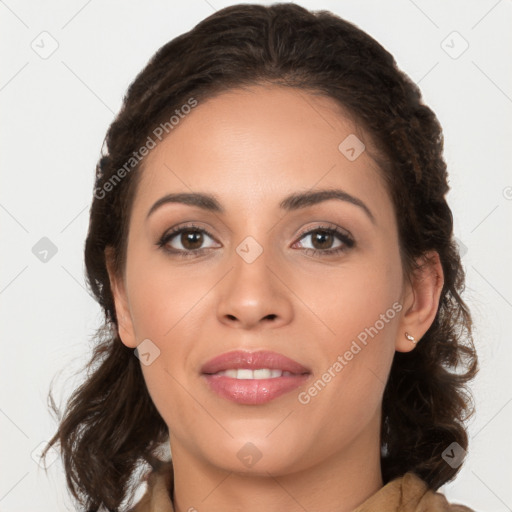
(405, 494)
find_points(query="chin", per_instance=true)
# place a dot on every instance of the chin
(257, 456)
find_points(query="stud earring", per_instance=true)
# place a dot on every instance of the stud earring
(410, 338)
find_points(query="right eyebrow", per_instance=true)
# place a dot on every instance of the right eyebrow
(204, 201)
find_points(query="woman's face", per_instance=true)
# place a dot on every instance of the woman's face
(267, 277)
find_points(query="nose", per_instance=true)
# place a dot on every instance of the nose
(255, 295)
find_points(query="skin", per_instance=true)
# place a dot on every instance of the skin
(251, 148)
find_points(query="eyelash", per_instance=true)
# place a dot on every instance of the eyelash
(341, 235)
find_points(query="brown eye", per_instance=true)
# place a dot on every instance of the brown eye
(322, 240)
(186, 240)
(191, 239)
(326, 241)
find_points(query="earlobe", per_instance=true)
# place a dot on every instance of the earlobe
(123, 315)
(424, 290)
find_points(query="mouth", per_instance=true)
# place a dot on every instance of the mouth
(253, 378)
(260, 373)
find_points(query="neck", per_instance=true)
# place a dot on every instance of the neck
(341, 483)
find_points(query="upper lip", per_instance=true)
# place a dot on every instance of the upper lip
(253, 361)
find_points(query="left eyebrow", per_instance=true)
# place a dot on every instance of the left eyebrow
(305, 199)
(292, 202)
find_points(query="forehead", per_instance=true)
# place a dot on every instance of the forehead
(259, 143)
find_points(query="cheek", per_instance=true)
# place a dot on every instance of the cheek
(167, 307)
(348, 301)
(358, 312)
(354, 359)
(164, 300)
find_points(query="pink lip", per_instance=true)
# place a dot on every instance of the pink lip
(253, 360)
(253, 391)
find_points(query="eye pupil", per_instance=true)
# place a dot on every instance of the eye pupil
(325, 239)
(195, 238)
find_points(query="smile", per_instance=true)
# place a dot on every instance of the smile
(246, 373)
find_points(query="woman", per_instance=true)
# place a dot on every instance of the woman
(271, 244)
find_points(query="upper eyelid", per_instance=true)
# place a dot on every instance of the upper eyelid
(326, 225)
(174, 232)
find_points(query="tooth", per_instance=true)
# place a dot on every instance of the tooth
(263, 373)
(243, 373)
(260, 373)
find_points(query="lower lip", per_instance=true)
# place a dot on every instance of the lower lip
(253, 391)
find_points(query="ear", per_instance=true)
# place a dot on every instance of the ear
(124, 318)
(422, 293)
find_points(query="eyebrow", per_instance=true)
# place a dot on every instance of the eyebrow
(290, 203)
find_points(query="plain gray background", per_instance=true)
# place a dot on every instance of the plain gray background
(65, 68)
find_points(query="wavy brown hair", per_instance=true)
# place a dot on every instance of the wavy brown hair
(111, 427)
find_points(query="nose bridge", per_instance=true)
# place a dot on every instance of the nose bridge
(252, 263)
(252, 292)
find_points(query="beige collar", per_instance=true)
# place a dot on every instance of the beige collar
(405, 494)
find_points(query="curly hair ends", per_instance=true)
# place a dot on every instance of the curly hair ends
(111, 426)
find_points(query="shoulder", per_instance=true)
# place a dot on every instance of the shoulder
(413, 486)
(409, 493)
